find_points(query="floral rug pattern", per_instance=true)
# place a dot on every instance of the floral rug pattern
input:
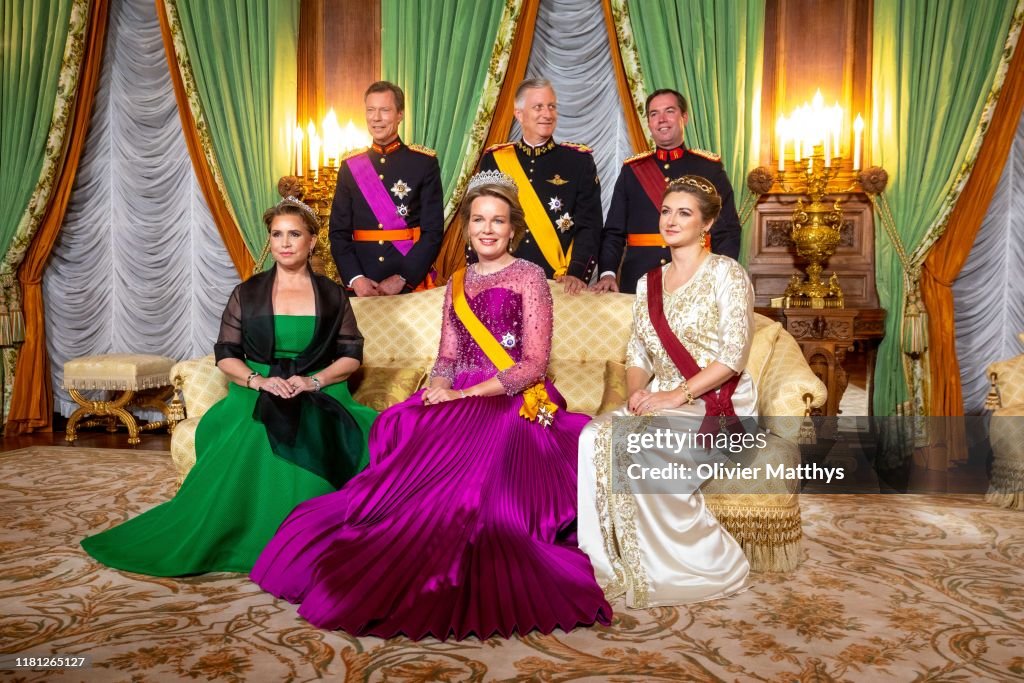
(907, 588)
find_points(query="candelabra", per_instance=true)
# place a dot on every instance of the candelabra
(815, 231)
(316, 190)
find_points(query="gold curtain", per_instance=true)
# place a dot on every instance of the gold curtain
(226, 225)
(32, 397)
(452, 256)
(634, 125)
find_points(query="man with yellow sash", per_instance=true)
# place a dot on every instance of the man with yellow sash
(387, 219)
(632, 222)
(558, 189)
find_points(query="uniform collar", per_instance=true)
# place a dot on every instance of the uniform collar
(670, 154)
(388, 148)
(529, 151)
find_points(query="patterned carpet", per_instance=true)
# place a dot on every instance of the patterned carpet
(900, 588)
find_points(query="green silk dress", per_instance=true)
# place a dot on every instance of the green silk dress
(239, 490)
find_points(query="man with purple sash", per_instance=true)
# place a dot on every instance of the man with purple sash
(387, 219)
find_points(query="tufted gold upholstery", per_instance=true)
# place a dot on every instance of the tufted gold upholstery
(123, 371)
(1006, 433)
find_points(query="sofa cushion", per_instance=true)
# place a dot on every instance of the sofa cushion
(1009, 379)
(766, 333)
(382, 387)
(614, 387)
(202, 384)
(579, 382)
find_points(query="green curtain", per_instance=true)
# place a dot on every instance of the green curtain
(711, 51)
(439, 52)
(243, 55)
(34, 35)
(934, 65)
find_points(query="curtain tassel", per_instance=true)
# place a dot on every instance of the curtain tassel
(6, 338)
(914, 336)
(16, 315)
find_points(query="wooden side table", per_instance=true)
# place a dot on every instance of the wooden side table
(825, 335)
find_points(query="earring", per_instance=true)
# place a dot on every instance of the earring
(704, 239)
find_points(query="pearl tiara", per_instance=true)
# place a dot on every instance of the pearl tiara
(292, 200)
(492, 178)
(702, 184)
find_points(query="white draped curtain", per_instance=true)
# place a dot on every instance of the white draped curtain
(988, 295)
(139, 266)
(570, 49)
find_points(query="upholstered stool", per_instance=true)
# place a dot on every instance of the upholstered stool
(142, 380)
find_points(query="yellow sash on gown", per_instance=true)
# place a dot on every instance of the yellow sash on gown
(536, 403)
(537, 219)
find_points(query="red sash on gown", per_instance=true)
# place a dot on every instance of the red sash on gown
(717, 402)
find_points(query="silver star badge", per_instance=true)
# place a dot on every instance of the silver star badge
(402, 210)
(509, 340)
(400, 189)
(564, 222)
(544, 416)
(555, 204)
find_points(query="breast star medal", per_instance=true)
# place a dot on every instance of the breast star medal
(402, 210)
(509, 340)
(555, 204)
(400, 189)
(564, 222)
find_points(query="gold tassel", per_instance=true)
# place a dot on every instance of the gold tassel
(176, 411)
(993, 401)
(915, 323)
(5, 318)
(17, 318)
(806, 435)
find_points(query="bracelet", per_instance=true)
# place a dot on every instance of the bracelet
(250, 378)
(316, 382)
(462, 393)
(686, 390)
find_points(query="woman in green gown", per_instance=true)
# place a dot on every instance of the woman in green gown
(287, 431)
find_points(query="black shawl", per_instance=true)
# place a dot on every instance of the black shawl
(247, 333)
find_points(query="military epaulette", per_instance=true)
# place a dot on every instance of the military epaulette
(577, 146)
(638, 157)
(421, 149)
(704, 153)
(354, 152)
(494, 148)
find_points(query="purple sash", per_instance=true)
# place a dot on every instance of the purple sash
(376, 195)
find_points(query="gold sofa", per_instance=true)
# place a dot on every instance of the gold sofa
(588, 349)
(1006, 432)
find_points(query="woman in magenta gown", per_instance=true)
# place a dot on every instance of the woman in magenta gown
(464, 523)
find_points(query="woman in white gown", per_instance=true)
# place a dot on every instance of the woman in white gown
(667, 548)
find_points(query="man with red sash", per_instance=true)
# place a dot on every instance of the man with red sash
(632, 222)
(387, 219)
(558, 189)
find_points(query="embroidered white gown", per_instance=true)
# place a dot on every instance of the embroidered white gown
(667, 548)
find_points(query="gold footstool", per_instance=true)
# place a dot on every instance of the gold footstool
(143, 380)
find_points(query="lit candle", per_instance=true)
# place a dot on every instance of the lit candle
(858, 130)
(826, 148)
(780, 132)
(837, 129)
(314, 151)
(298, 150)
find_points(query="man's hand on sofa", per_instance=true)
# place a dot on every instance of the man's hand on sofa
(605, 284)
(573, 285)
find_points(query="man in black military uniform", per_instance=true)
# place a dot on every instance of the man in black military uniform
(387, 219)
(633, 216)
(564, 194)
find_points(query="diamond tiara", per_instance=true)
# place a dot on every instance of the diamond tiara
(492, 178)
(702, 184)
(306, 208)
